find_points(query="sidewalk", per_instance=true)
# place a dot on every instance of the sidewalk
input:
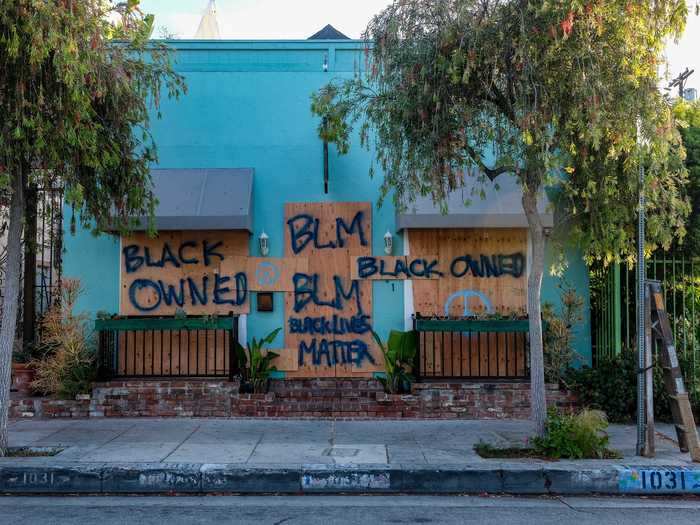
(248, 455)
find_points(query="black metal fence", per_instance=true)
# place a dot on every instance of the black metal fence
(147, 347)
(42, 251)
(471, 349)
(613, 307)
(49, 253)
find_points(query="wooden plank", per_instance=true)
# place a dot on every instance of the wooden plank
(170, 323)
(472, 325)
(506, 293)
(122, 353)
(391, 268)
(686, 431)
(315, 266)
(328, 257)
(288, 360)
(172, 258)
(650, 427)
(471, 294)
(267, 274)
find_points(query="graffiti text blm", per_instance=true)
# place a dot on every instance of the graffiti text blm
(304, 229)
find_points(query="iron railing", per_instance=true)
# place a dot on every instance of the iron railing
(613, 306)
(147, 347)
(472, 349)
(42, 249)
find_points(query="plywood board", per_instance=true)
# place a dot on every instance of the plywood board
(267, 274)
(466, 293)
(328, 235)
(184, 270)
(456, 295)
(388, 268)
(287, 361)
(173, 352)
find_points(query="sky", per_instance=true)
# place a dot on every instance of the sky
(299, 19)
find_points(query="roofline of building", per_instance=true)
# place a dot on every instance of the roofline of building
(193, 44)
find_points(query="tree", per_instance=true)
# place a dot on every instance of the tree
(75, 103)
(688, 117)
(552, 93)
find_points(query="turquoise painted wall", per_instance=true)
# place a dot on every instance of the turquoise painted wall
(248, 106)
(575, 277)
(95, 261)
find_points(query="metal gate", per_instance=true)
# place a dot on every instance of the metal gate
(41, 260)
(613, 305)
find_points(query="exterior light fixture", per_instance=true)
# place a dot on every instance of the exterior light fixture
(388, 242)
(264, 241)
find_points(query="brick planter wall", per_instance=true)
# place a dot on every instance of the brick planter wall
(357, 399)
(183, 398)
(304, 398)
(43, 407)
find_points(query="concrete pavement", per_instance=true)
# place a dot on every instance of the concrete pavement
(249, 455)
(257, 442)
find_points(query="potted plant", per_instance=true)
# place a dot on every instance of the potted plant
(255, 364)
(23, 372)
(399, 355)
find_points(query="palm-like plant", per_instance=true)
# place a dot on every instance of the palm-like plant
(399, 354)
(255, 362)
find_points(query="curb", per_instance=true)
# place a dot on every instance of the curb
(197, 478)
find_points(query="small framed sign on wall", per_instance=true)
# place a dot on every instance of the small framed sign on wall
(265, 301)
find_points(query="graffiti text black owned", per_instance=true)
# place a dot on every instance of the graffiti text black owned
(407, 268)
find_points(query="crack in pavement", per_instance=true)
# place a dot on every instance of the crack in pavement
(188, 436)
(252, 452)
(566, 503)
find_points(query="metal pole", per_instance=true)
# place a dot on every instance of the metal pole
(641, 342)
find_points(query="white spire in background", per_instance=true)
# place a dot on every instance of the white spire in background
(208, 27)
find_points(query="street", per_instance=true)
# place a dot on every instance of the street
(311, 510)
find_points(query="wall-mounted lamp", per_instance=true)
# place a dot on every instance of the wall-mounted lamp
(388, 242)
(264, 241)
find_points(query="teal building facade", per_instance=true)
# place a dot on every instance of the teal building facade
(248, 106)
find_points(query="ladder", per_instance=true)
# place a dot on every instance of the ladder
(673, 379)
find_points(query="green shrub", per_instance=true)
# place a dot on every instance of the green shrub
(580, 436)
(612, 387)
(67, 365)
(558, 337)
(399, 354)
(255, 363)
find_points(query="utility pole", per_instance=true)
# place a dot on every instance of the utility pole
(641, 330)
(680, 81)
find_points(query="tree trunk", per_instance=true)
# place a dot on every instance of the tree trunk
(534, 307)
(10, 305)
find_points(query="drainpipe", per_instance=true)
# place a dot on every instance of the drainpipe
(30, 257)
(325, 162)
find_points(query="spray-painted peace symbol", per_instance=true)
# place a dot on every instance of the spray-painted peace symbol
(465, 295)
(267, 273)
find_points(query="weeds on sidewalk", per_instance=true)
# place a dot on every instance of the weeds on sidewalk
(580, 436)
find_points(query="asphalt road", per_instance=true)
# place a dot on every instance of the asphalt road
(365, 510)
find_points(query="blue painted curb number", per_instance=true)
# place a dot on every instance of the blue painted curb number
(659, 481)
